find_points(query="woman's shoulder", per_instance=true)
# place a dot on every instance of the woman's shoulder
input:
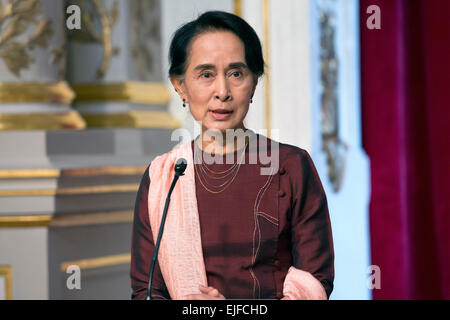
(294, 158)
(289, 152)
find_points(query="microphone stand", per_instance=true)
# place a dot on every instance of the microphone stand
(180, 167)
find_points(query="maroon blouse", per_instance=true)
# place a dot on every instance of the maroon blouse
(251, 232)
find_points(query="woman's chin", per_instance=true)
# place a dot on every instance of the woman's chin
(219, 125)
(222, 127)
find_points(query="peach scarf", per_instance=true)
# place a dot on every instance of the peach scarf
(180, 254)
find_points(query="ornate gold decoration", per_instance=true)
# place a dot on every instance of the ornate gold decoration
(16, 18)
(145, 34)
(66, 220)
(117, 171)
(76, 220)
(30, 173)
(133, 119)
(130, 91)
(100, 262)
(41, 121)
(57, 92)
(24, 221)
(71, 191)
(56, 173)
(238, 8)
(59, 56)
(6, 271)
(93, 14)
(58, 53)
(334, 148)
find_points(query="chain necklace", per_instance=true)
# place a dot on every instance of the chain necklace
(226, 184)
(208, 175)
(225, 171)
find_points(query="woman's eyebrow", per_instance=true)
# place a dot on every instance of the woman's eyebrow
(233, 65)
(205, 66)
(237, 65)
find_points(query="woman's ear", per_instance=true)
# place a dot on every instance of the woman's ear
(255, 83)
(178, 84)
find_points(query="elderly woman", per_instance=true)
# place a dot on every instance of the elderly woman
(233, 230)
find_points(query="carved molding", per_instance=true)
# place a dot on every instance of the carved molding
(17, 17)
(146, 32)
(97, 23)
(332, 144)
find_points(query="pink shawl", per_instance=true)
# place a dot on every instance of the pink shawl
(180, 254)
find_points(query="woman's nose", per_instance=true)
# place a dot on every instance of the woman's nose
(222, 89)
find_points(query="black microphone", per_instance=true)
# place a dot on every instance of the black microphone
(180, 167)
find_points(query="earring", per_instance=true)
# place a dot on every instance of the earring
(251, 100)
(184, 103)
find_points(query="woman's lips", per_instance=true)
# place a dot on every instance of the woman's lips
(221, 114)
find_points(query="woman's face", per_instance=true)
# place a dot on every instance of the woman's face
(218, 84)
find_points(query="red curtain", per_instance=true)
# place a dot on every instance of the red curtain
(405, 77)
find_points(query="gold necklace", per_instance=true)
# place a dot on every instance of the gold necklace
(229, 169)
(226, 186)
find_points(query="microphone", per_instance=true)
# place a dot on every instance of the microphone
(180, 167)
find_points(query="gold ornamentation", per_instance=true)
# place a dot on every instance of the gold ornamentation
(238, 8)
(83, 172)
(133, 119)
(31, 173)
(93, 12)
(58, 54)
(66, 220)
(71, 191)
(100, 262)
(77, 220)
(16, 18)
(41, 121)
(25, 221)
(6, 271)
(23, 92)
(130, 91)
(19, 92)
(116, 171)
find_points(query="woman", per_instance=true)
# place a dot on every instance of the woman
(232, 231)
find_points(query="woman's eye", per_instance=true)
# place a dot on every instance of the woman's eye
(236, 74)
(206, 75)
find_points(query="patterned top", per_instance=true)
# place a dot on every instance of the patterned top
(253, 230)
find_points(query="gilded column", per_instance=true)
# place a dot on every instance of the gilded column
(33, 93)
(115, 65)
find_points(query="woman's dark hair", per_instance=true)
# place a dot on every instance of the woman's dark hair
(215, 20)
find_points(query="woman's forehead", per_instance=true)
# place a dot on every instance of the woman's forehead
(217, 46)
